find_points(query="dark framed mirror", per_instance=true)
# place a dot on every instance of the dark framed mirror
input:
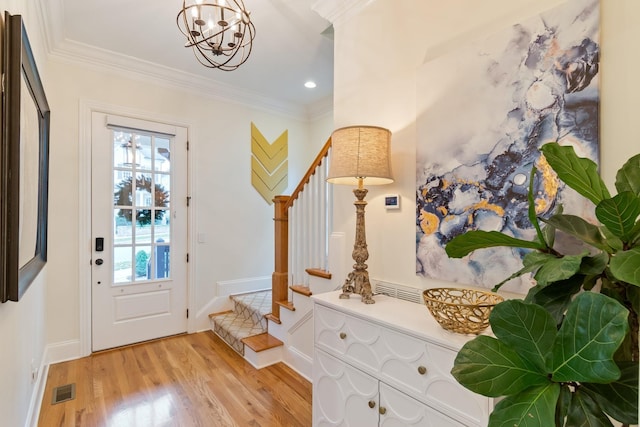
(24, 160)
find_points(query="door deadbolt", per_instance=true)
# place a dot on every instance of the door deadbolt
(99, 261)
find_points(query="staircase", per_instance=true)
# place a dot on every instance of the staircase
(277, 325)
(245, 327)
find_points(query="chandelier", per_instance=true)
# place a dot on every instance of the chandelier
(219, 31)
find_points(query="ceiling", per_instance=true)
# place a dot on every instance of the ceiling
(142, 35)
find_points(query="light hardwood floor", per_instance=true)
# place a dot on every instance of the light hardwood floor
(186, 380)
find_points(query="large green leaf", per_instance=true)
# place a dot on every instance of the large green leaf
(628, 177)
(634, 237)
(527, 328)
(559, 269)
(531, 261)
(564, 401)
(490, 367)
(594, 265)
(556, 297)
(585, 412)
(578, 227)
(534, 407)
(619, 399)
(579, 173)
(592, 331)
(468, 242)
(625, 266)
(619, 214)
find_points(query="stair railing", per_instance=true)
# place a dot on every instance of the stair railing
(302, 223)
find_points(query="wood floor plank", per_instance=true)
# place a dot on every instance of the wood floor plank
(187, 380)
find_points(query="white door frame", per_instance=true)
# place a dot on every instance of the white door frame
(86, 107)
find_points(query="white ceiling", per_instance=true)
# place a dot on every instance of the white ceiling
(142, 35)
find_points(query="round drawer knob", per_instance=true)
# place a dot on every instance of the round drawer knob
(382, 410)
(343, 335)
(422, 370)
(372, 404)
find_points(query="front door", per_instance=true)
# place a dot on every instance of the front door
(139, 230)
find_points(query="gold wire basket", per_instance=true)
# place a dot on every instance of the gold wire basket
(465, 311)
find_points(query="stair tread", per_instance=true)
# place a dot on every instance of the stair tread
(262, 342)
(245, 320)
(299, 289)
(255, 304)
(286, 304)
(318, 272)
(220, 313)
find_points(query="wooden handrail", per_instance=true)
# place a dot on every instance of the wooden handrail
(312, 170)
(282, 204)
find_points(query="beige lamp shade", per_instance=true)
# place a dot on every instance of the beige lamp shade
(360, 152)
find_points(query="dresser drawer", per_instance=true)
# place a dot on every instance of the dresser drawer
(412, 365)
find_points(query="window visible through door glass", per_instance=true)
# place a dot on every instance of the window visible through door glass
(142, 207)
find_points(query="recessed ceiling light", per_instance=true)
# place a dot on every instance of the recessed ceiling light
(310, 84)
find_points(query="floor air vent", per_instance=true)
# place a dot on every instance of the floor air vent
(63, 393)
(398, 291)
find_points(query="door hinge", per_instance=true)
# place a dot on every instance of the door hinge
(187, 313)
(188, 200)
(187, 145)
(187, 257)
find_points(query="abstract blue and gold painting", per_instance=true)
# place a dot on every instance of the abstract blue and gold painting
(483, 112)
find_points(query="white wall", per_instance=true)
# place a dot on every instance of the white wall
(377, 54)
(235, 221)
(23, 324)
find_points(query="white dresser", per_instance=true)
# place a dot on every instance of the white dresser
(387, 364)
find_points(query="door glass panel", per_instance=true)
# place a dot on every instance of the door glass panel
(143, 262)
(162, 156)
(162, 229)
(142, 226)
(163, 190)
(143, 143)
(122, 227)
(122, 192)
(161, 261)
(123, 149)
(144, 189)
(122, 272)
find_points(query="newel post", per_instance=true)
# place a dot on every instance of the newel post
(279, 279)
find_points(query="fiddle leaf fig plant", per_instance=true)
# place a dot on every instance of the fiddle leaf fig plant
(569, 351)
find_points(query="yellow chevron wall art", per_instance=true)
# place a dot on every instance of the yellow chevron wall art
(269, 164)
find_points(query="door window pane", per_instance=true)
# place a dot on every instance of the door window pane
(162, 229)
(143, 263)
(124, 149)
(161, 262)
(122, 272)
(162, 156)
(143, 142)
(122, 227)
(122, 191)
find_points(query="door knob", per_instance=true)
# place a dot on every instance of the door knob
(99, 261)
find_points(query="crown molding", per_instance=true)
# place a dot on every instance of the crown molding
(338, 10)
(71, 52)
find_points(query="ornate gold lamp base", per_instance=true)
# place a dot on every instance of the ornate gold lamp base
(358, 280)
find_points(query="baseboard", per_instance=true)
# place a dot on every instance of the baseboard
(62, 351)
(53, 353)
(37, 396)
(299, 362)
